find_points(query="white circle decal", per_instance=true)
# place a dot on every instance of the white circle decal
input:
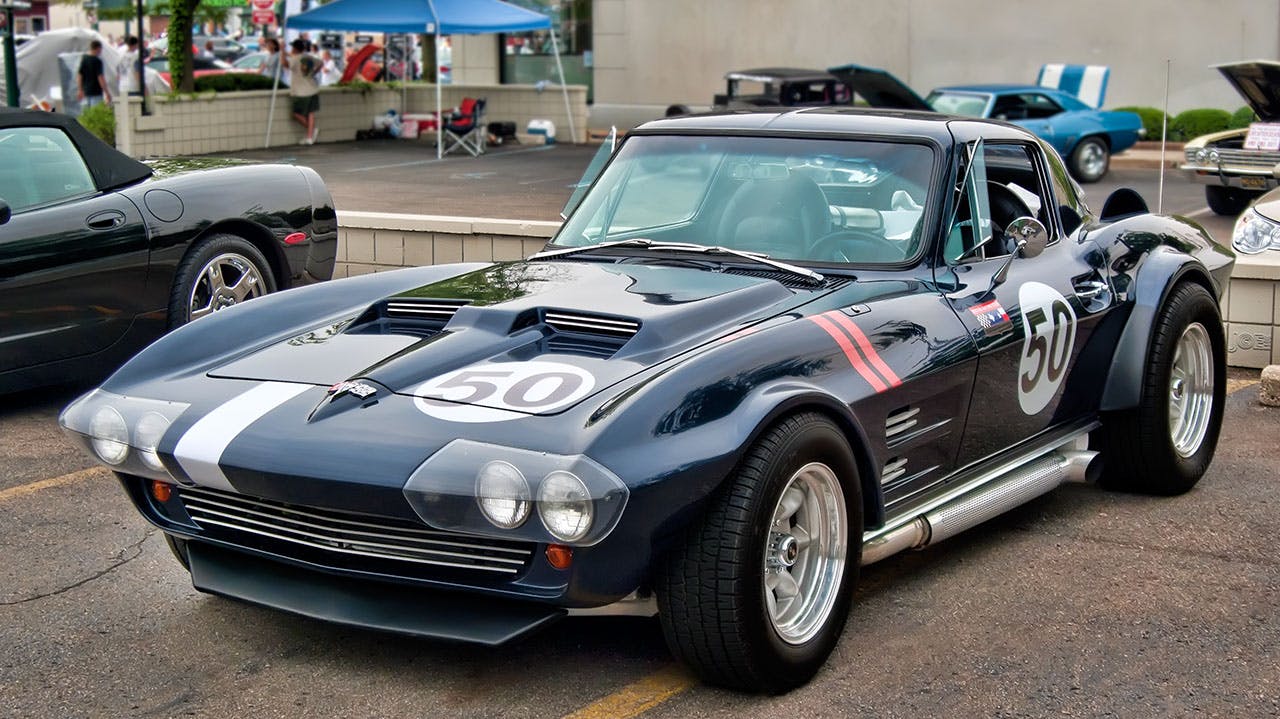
(503, 391)
(1049, 336)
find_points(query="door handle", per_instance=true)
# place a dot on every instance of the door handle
(1090, 290)
(108, 220)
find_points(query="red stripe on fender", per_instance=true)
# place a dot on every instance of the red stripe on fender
(865, 345)
(855, 359)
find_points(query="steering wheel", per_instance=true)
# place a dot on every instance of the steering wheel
(828, 247)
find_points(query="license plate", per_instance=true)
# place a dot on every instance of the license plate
(1253, 183)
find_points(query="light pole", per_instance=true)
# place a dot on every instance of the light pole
(10, 55)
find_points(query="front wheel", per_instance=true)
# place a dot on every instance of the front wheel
(1227, 201)
(1165, 444)
(757, 596)
(1090, 159)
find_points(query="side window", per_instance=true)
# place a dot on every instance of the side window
(1039, 106)
(1070, 202)
(40, 166)
(970, 227)
(1005, 185)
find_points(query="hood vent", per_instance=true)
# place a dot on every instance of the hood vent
(788, 280)
(592, 325)
(407, 316)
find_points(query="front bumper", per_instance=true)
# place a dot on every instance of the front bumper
(1252, 179)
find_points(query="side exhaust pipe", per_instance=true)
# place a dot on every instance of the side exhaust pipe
(990, 499)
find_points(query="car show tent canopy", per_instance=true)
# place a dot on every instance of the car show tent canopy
(431, 17)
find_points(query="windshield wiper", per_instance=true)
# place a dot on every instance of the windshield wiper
(647, 244)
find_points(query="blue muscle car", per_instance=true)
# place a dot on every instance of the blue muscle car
(1085, 136)
(765, 349)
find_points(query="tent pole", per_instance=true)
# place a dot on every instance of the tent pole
(275, 86)
(560, 68)
(435, 29)
(404, 76)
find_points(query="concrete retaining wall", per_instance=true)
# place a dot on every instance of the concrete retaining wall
(231, 121)
(1252, 309)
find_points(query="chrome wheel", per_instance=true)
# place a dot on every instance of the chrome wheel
(804, 555)
(1093, 160)
(1191, 390)
(226, 280)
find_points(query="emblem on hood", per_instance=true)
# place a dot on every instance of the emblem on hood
(359, 389)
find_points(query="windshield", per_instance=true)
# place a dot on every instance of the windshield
(958, 103)
(856, 201)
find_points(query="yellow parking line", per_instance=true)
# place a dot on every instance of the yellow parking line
(638, 697)
(32, 487)
(1235, 385)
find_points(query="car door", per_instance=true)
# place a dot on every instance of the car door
(1037, 113)
(1030, 316)
(73, 260)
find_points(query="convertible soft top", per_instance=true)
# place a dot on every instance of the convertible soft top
(110, 167)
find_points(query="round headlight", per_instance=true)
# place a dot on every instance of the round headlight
(146, 437)
(565, 506)
(1214, 157)
(109, 435)
(1254, 233)
(503, 494)
(1202, 155)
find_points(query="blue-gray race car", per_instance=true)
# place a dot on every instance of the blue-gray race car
(764, 350)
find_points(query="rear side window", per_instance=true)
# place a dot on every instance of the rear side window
(40, 166)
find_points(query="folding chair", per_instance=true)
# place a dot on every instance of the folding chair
(465, 128)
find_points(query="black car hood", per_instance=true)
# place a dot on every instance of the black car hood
(1258, 82)
(611, 320)
(879, 88)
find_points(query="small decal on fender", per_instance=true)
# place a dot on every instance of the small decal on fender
(1049, 336)
(992, 317)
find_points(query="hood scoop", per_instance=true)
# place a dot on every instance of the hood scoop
(412, 316)
(588, 334)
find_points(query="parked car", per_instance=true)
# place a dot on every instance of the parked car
(201, 67)
(100, 253)
(780, 87)
(1234, 170)
(1085, 137)
(224, 48)
(251, 62)
(1258, 228)
(763, 350)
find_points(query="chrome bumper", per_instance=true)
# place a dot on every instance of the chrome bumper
(1254, 179)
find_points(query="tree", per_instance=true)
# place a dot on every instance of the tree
(182, 15)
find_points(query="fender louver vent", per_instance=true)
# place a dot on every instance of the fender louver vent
(588, 335)
(901, 421)
(894, 470)
(407, 316)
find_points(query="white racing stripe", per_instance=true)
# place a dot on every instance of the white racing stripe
(201, 447)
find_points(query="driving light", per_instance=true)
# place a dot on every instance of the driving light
(146, 437)
(564, 505)
(1254, 233)
(110, 435)
(503, 494)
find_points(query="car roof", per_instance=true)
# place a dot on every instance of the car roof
(765, 74)
(996, 89)
(110, 167)
(837, 119)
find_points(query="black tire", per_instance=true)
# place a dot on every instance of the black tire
(1085, 159)
(179, 549)
(711, 589)
(1228, 201)
(1138, 445)
(196, 262)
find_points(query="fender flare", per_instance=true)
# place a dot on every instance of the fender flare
(1157, 276)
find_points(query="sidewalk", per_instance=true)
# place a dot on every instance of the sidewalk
(1146, 155)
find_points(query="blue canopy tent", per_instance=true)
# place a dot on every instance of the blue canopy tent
(431, 17)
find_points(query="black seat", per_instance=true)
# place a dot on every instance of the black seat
(781, 216)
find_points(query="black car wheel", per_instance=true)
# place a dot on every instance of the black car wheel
(222, 271)
(757, 596)
(1090, 159)
(1228, 201)
(1165, 445)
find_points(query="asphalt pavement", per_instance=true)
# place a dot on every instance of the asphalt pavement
(1081, 603)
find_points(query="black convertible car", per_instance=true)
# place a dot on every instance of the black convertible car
(100, 253)
(763, 350)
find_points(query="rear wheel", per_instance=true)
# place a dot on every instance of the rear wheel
(1165, 445)
(1090, 159)
(756, 598)
(1228, 201)
(222, 271)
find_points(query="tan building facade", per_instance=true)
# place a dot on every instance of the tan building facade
(649, 54)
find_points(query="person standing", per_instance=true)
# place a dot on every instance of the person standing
(304, 87)
(127, 70)
(91, 79)
(271, 63)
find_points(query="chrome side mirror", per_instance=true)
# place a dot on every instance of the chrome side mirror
(1029, 237)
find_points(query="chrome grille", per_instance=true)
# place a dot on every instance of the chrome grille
(250, 521)
(591, 324)
(1240, 158)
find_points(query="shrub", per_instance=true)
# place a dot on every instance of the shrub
(234, 82)
(1242, 118)
(1152, 120)
(101, 121)
(1194, 123)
